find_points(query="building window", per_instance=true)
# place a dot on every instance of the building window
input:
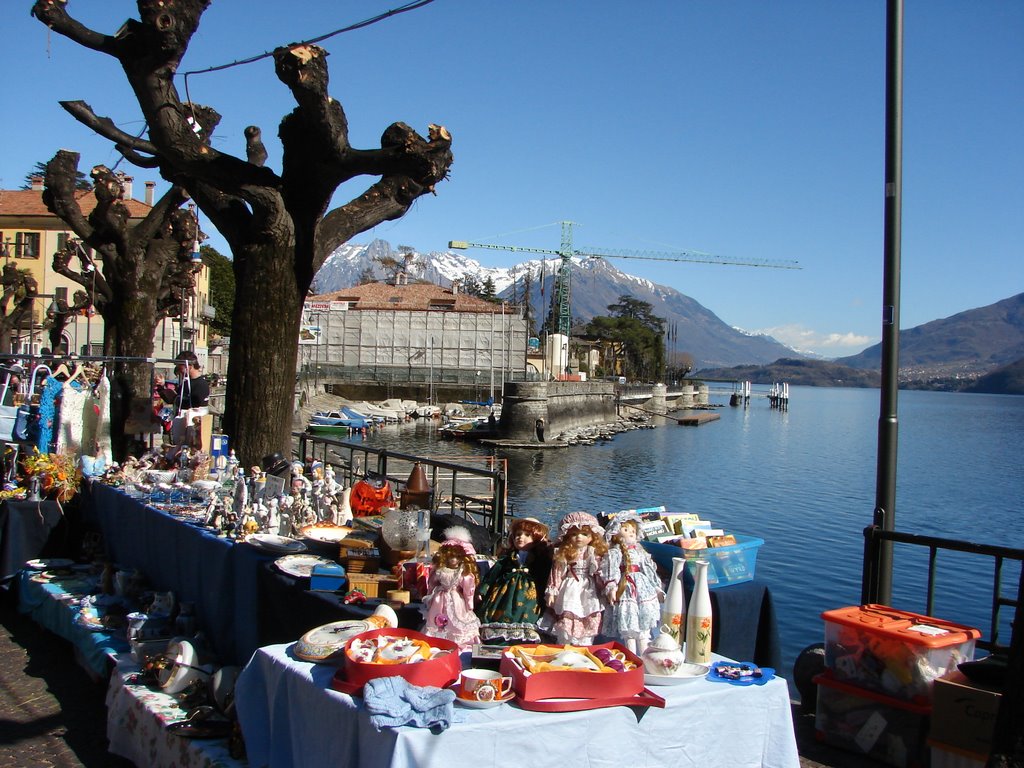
(26, 245)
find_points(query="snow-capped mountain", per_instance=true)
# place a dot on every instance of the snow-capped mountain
(595, 285)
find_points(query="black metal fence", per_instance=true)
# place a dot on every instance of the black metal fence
(475, 493)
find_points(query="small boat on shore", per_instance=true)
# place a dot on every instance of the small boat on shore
(340, 418)
(330, 429)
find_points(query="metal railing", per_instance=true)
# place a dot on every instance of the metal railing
(476, 494)
(875, 538)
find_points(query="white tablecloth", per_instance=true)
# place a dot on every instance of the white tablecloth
(291, 717)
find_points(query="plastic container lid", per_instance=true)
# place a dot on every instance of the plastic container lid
(910, 628)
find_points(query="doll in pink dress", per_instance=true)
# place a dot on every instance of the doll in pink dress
(451, 590)
(573, 595)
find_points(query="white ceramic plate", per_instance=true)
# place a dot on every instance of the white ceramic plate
(49, 562)
(271, 542)
(474, 704)
(300, 566)
(686, 674)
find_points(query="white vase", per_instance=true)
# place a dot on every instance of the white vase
(698, 621)
(673, 610)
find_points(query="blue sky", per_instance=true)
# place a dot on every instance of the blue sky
(743, 128)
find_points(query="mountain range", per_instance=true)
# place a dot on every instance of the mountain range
(595, 285)
(956, 349)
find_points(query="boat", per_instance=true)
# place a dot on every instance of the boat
(329, 429)
(468, 430)
(427, 411)
(339, 418)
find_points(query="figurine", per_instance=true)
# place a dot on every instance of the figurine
(631, 586)
(452, 586)
(513, 589)
(573, 594)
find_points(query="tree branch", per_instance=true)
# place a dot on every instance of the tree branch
(53, 13)
(105, 127)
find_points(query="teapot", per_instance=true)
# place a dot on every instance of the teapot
(663, 656)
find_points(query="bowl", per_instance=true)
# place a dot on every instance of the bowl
(324, 537)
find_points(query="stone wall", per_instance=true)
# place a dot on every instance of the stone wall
(562, 404)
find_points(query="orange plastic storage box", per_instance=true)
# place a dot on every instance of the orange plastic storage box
(868, 723)
(893, 652)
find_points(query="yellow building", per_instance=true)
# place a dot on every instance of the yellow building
(30, 235)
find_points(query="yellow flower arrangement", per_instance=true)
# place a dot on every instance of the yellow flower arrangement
(58, 473)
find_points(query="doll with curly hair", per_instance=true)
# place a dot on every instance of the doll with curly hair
(513, 588)
(573, 595)
(631, 586)
(451, 589)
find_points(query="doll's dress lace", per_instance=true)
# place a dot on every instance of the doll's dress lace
(637, 611)
(449, 611)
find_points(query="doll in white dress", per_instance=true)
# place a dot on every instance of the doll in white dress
(573, 595)
(631, 586)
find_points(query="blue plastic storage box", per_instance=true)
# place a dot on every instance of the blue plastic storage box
(728, 565)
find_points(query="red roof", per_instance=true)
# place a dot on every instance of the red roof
(408, 297)
(29, 202)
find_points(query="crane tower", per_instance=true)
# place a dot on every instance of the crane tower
(565, 253)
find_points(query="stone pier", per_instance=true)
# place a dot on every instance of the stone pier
(562, 404)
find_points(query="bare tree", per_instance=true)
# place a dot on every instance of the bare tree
(144, 272)
(277, 225)
(19, 292)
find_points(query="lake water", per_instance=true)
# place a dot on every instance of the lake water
(804, 481)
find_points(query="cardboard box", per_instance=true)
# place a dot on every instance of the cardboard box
(964, 713)
(573, 684)
(944, 756)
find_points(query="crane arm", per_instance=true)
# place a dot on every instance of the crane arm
(462, 245)
(694, 256)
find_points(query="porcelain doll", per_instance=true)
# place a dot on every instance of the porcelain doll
(631, 586)
(451, 588)
(513, 589)
(573, 594)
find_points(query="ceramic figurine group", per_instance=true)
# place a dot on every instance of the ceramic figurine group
(589, 582)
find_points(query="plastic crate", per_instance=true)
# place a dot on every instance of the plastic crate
(728, 565)
(893, 652)
(868, 723)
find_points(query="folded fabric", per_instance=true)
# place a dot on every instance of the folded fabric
(393, 701)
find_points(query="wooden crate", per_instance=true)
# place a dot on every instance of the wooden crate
(372, 584)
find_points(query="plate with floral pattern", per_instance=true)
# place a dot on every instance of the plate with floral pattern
(300, 566)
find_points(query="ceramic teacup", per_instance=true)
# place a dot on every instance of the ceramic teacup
(484, 685)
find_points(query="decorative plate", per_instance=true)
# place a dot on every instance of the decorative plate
(270, 542)
(300, 566)
(740, 673)
(49, 562)
(326, 643)
(326, 533)
(687, 673)
(476, 704)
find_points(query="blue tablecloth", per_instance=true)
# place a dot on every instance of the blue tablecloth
(216, 574)
(53, 602)
(291, 717)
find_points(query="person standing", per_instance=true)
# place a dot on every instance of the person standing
(540, 430)
(193, 390)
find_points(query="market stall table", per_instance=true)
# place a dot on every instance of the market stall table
(25, 527)
(291, 717)
(137, 720)
(53, 600)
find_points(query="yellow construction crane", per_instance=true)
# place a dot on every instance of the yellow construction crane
(566, 252)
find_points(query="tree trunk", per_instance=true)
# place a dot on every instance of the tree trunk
(129, 329)
(264, 352)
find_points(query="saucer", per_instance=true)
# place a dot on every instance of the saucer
(687, 673)
(475, 704)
